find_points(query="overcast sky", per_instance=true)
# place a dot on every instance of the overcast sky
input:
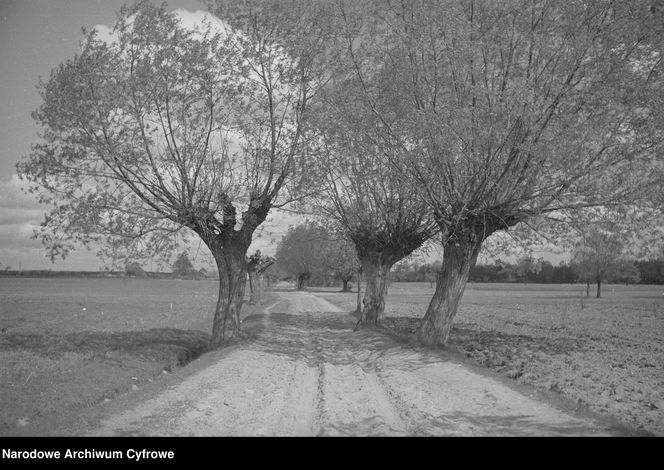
(36, 36)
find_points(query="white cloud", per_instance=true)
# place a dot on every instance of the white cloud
(20, 214)
(18, 210)
(105, 33)
(189, 19)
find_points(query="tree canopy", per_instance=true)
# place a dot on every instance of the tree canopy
(407, 120)
(162, 129)
(509, 112)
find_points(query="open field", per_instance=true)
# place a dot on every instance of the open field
(607, 354)
(71, 343)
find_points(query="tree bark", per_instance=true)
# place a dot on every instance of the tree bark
(232, 283)
(599, 288)
(255, 287)
(375, 269)
(359, 291)
(252, 286)
(458, 259)
(345, 285)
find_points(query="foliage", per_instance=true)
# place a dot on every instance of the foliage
(311, 252)
(135, 270)
(183, 267)
(299, 252)
(339, 259)
(651, 271)
(258, 263)
(511, 113)
(599, 258)
(163, 130)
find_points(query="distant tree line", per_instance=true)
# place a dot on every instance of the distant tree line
(82, 274)
(539, 272)
(651, 271)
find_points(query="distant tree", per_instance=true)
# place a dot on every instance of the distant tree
(546, 273)
(432, 272)
(183, 267)
(362, 193)
(135, 270)
(598, 258)
(257, 264)
(300, 252)
(340, 259)
(628, 273)
(527, 268)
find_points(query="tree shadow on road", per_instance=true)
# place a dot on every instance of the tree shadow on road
(330, 338)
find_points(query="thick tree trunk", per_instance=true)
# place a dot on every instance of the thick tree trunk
(359, 291)
(259, 287)
(375, 270)
(255, 287)
(345, 285)
(599, 288)
(232, 282)
(450, 284)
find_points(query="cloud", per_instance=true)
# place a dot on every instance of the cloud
(16, 207)
(20, 214)
(189, 20)
(104, 33)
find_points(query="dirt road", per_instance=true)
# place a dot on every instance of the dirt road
(304, 372)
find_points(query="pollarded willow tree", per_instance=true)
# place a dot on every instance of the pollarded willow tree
(513, 111)
(161, 128)
(363, 194)
(299, 251)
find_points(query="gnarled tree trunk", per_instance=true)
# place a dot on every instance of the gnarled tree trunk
(301, 280)
(231, 262)
(458, 259)
(375, 269)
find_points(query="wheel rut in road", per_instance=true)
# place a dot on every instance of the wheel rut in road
(303, 371)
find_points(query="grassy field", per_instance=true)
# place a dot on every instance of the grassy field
(67, 344)
(607, 354)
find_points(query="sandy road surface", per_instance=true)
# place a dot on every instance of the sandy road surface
(304, 372)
